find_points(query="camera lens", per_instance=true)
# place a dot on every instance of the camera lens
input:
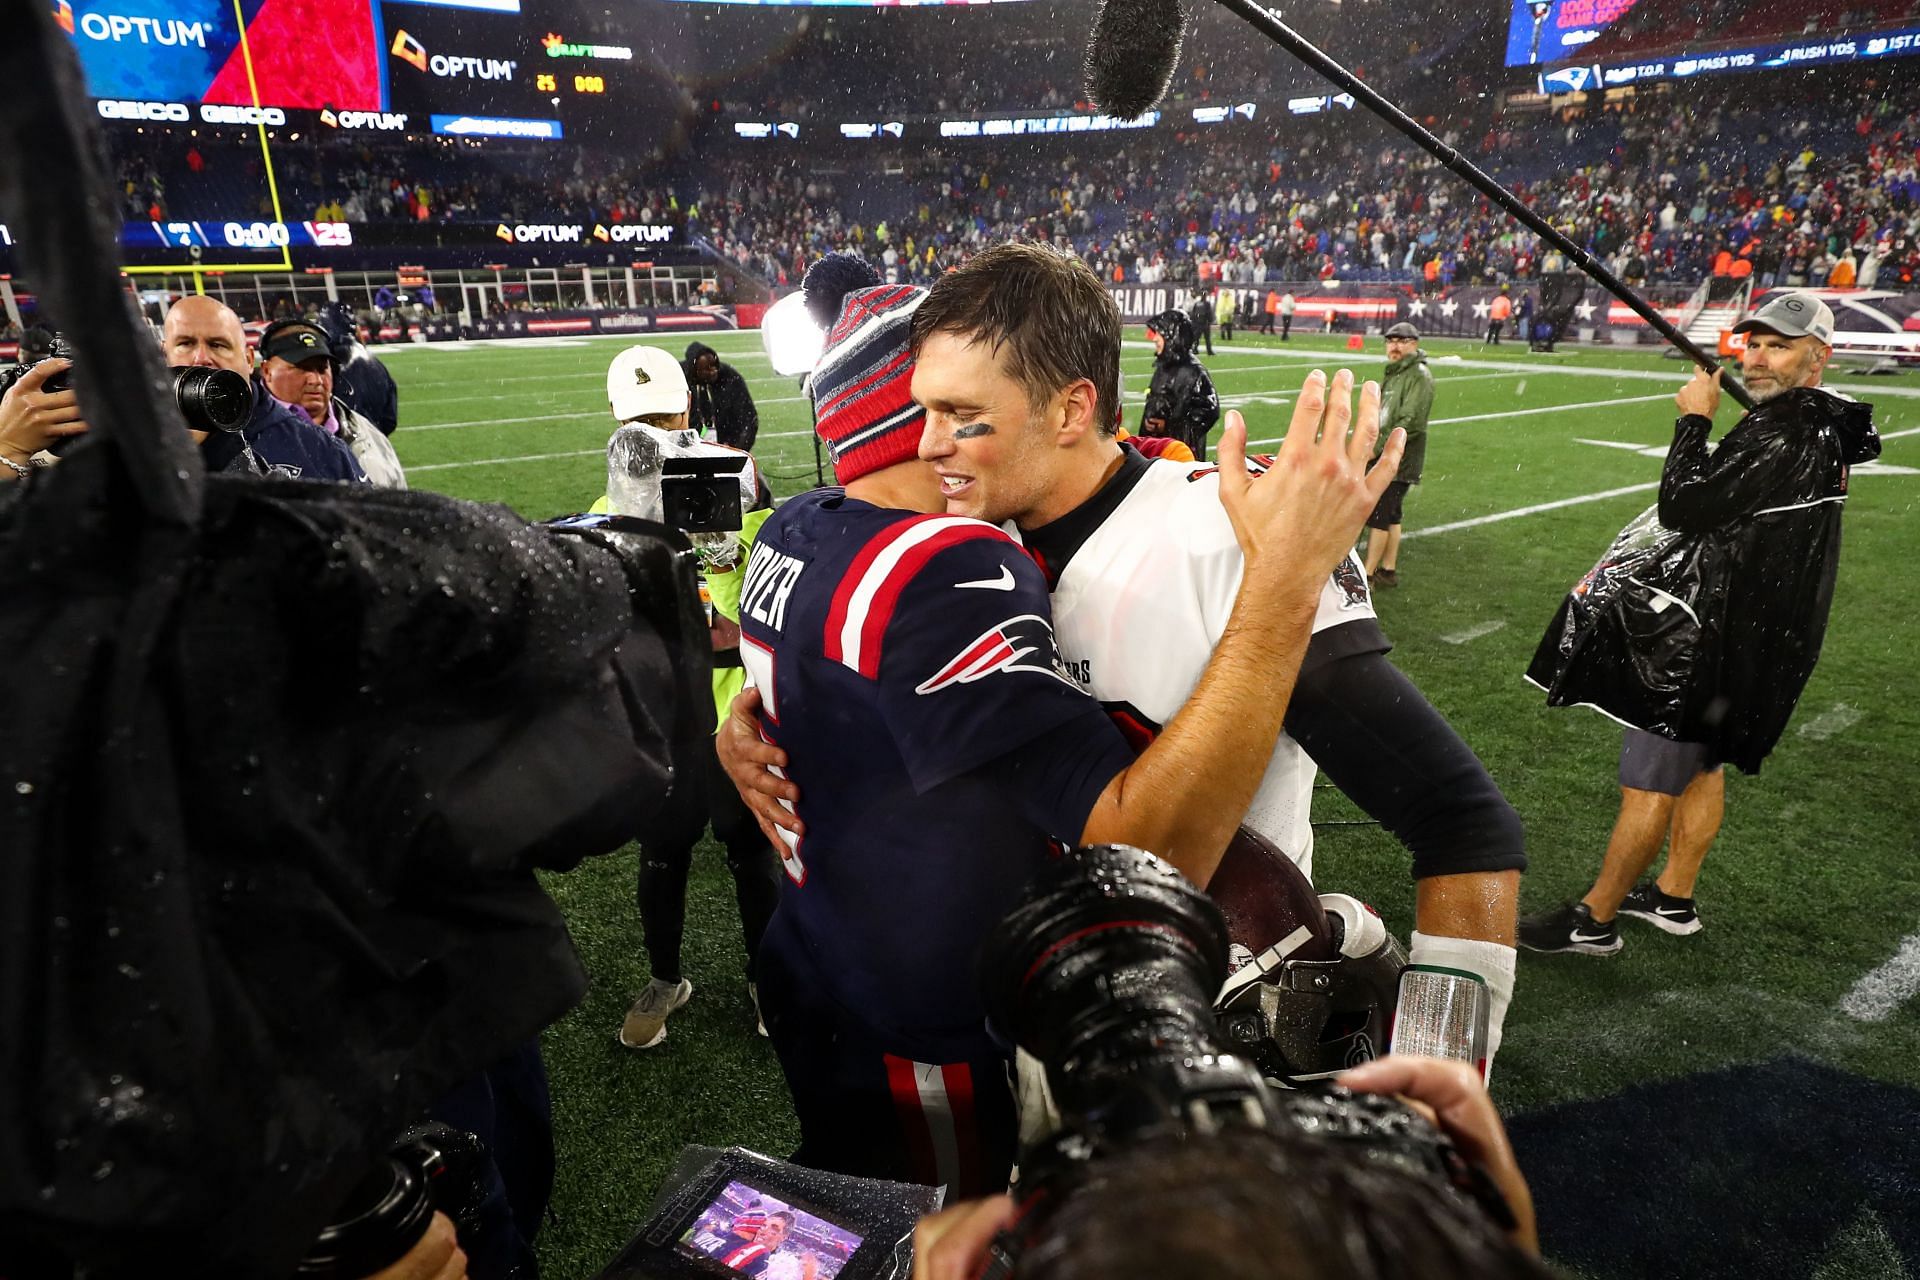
(1106, 973)
(212, 399)
(384, 1217)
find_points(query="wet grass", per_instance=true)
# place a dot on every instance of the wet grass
(1812, 884)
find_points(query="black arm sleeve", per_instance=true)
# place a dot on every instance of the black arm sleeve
(1383, 744)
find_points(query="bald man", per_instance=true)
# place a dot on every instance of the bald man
(201, 332)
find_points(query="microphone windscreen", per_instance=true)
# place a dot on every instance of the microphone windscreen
(1133, 53)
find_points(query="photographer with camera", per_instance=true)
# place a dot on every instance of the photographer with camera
(648, 394)
(1175, 1157)
(203, 333)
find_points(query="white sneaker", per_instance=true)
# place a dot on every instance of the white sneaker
(646, 1021)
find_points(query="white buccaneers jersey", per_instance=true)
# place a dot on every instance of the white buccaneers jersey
(1144, 578)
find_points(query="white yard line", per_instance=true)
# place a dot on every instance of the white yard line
(1878, 994)
(1895, 435)
(1547, 408)
(1534, 510)
(1835, 719)
(496, 462)
(1474, 632)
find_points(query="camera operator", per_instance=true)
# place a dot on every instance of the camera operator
(201, 332)
(297, 366)
(1177, 1154)
(647, 391)
(31, 417)
(1270, 1205)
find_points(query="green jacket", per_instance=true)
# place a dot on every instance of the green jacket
(1406, 398)
(723, 590)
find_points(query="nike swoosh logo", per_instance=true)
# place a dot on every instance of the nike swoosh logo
(1002, 583)
(1591, 937)
(1668, 911)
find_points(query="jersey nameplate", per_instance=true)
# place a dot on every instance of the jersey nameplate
(770, 579)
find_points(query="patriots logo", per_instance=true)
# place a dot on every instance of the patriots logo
(1022, 643)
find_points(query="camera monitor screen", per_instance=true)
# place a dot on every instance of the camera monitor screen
(750, 1232)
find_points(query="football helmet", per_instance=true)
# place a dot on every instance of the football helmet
(1313, 977)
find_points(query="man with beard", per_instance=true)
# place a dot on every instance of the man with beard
(1181, 402)
(1763, 509)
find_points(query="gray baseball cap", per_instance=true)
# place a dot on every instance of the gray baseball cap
(1792, 315)
(1404, 330)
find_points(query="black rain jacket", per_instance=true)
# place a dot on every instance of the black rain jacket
(721, 410)
(1181, 394)
(1704, 619)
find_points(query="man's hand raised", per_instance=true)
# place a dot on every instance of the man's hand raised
(1301, 518)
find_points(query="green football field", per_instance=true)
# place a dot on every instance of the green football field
(1744, 1102)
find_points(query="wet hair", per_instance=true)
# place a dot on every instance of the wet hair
(1254, 1205)
(1044, 309)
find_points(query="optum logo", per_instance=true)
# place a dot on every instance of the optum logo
(114, 27)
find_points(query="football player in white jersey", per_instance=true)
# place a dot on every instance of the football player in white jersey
(1018, 356)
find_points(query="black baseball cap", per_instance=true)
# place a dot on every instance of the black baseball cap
(295, 341)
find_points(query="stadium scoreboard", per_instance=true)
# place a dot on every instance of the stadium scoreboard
(471, 68)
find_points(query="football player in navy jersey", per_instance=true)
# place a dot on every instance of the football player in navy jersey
(907, 671)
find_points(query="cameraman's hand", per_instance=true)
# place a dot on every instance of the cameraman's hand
(749, 760)
(952, 1244)
(436, 1257)
(1461, 1109)
(32, 418)
(1299, 520)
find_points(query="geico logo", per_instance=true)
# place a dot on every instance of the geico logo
(215, 113)
(122, 109)
(114, 27)
(371, 119)
(472, 68)
(645, 233)
(554, 235)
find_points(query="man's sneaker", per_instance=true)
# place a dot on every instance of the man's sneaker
(1386, 578)
(1569, 928)
(1661, 910)
(646, 1023)
(759, 1019)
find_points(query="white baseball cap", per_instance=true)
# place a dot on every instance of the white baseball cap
(643, 381)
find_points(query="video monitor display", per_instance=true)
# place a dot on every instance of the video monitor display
(1542, 32)
(749, 1232)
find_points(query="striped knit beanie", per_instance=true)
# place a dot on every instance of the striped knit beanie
(861, 405)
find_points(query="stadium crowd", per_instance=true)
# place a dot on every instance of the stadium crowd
(1665, 187)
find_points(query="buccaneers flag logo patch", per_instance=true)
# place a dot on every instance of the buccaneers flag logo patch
(1022, 643)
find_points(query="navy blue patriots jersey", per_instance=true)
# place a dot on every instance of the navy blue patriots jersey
(907, 665)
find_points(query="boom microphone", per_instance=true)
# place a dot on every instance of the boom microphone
(1269, 25)
(1134, 50)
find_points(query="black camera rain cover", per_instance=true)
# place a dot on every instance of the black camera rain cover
(277, 764)
(271, 831)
